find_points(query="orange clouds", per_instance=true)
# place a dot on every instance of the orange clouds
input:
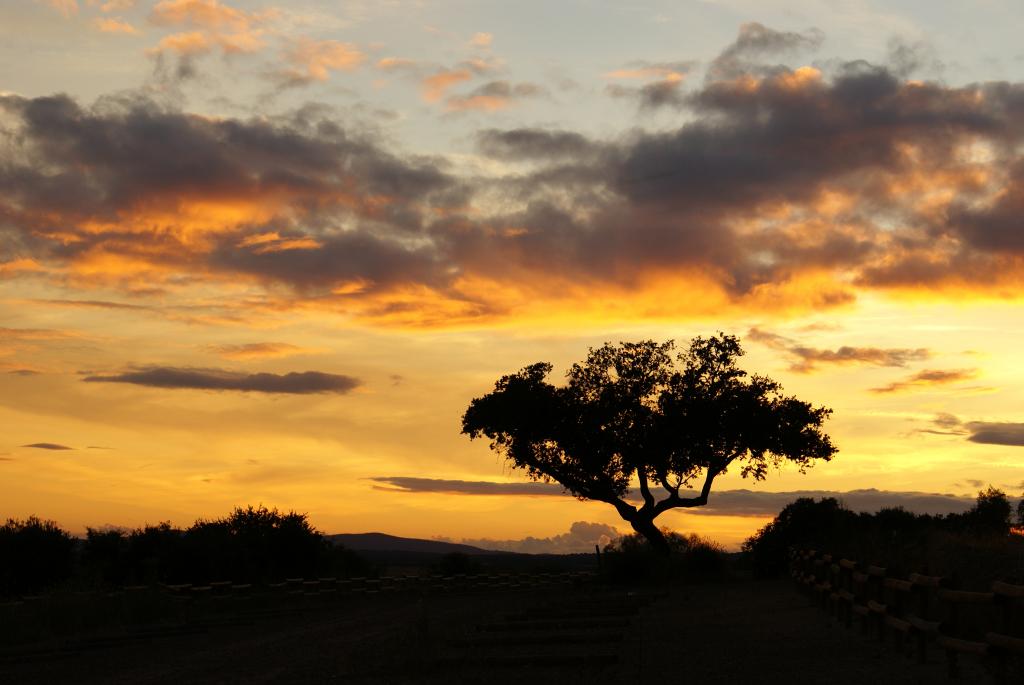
(482, 40)
(68, 8)
(214, 24)
(493, 96)
(313, 60)
(266, 350)
(928, 378)
(787, 190)
(437, 85)
(113, 25)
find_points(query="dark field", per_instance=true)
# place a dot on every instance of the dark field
(735, 632)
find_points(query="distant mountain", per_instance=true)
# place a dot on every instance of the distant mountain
(381, 542)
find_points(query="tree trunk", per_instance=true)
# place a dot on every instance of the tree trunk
(645, 526)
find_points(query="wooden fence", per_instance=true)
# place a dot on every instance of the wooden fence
(919, 612)
(368, 586)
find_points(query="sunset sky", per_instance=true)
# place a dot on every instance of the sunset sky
(257, 253)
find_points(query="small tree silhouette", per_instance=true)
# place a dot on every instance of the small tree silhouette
(34, 554)
(632, 412)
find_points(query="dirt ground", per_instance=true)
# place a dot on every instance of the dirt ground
(740, 632)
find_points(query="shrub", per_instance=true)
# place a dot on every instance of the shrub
(632, 559)
(34, 555)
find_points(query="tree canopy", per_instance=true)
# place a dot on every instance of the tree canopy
(633, 412)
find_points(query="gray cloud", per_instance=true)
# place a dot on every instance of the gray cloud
(664, 93)
(580, 539)
(295, 383)
(741, 502)
(983, 432)
(989, 433)
(356, 220)
(756, 41)
(259, 350)
(928, 378)
(534, 144)
(807, 359)
(495, 95)
(48, 446)
(463, 487)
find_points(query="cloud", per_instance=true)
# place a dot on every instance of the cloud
(982, 432)
(34, 334)
(534, 144)
(48, 446)
(807, 359)
(68, 8)
(294, 383)
(751, 503)
(463, 487)
(264, 350)
(206, 14)
(494, 95)
(113, 5)
(644, 70)
(436, 85)
(580, 539)
(928, 378)
(756, 41)
(783, 190)
(397, 64)
(314, 60)
(214, 25)
(665, 88)
(740, 502)
(482, 40)
(993, 433)
(114, 25)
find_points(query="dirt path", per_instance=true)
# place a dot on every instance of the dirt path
(743, 632)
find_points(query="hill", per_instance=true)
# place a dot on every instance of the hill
(382, 542)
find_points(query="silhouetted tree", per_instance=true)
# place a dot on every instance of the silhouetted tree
(631, 412)
(990, 513)
(255, 544)
(801, 523)
(34, 554)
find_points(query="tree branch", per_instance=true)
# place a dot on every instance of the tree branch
(645, 489)
(675, 501)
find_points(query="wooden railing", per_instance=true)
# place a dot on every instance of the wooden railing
(919, 611)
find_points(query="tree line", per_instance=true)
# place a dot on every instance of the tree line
(250, 545)
(985, 541)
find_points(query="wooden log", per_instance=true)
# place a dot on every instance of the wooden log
(1006, 643)
(965, 596)
(926, 581)
(877, 571)
(1007, 589)
(898, 585)
(924, 626)
(898, 624)
(848, 564)
(955, 644)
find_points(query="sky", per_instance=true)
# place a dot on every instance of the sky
(268, 253)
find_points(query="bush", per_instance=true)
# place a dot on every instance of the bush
(457, 563)
(631, 559)
(954, 544)
(34, 555)
(253, 545)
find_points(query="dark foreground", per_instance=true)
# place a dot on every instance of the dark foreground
(741, 632)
